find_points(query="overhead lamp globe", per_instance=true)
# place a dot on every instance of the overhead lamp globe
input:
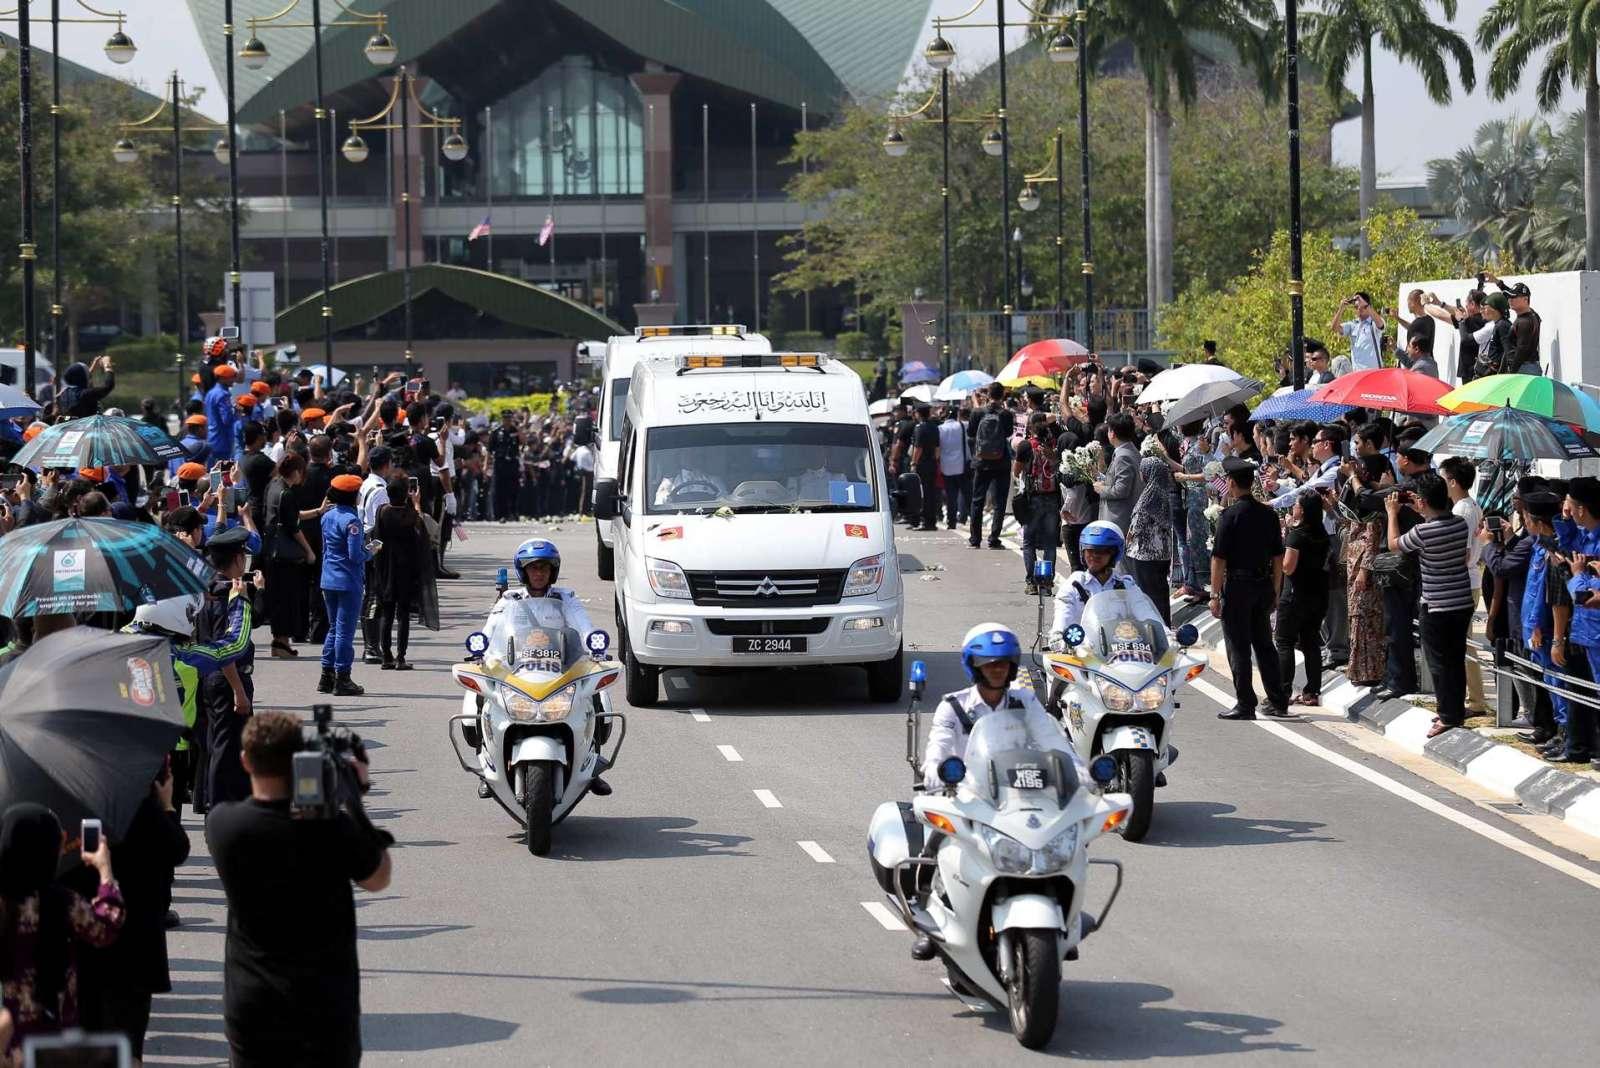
(222, 150)
(454, 147)
(381, 50)
(124, 151)
(1062, 48)
(120, 47)
(895, 143)
(1027, 286)
(253, 54)
(993, 143)
(354, 149)
(940, 53)
(1028, 199)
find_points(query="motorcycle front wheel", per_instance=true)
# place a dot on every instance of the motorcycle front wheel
(539, 808)
(1034, 992)
(1139, 779)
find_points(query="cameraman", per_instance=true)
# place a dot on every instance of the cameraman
(291, 979)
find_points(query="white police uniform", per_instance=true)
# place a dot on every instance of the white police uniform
(957, 712)
(519, 614)
(1073, 594)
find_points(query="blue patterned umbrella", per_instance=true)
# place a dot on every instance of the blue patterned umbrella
(916, 372)
(94, 565)
(1298, 406)
(98, 441)
(14, 402)
(1506, 434)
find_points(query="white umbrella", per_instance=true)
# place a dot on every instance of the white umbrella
(1176, 383)
(881, 407)
(921, 394)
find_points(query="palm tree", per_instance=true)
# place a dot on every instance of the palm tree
(1345, 30)
(1491, 187)
(1162, 34)
(1570, 30)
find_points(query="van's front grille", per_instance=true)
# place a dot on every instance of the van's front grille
(761, 627)
(762, 589)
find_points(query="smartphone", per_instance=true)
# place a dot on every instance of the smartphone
(215, 478)
(413, 386)
(1494, 524)
(183, 498)
(249, 576)
(411, 484)
(230, 499)
(90, 835)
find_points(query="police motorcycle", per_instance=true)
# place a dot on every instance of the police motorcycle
(535, 719)
(1113, 685)
(993, 867)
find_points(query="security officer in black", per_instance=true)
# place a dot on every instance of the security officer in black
(219, 724)
(506, 451)
(1247, 573)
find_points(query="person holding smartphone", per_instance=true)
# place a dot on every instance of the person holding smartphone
(1365, 331)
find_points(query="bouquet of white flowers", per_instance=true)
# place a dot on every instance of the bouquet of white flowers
(1082, 463)
(1151, 446)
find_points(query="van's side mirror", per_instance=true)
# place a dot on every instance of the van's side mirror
(908, 487)
(605, 499)
(582, 431)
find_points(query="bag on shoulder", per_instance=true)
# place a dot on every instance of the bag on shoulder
(991, 438)
(1393, 571)
(1041, 474)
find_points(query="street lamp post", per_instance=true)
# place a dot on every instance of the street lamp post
(1028, 200)
(1297, 325)
(232, 143)
(1065, 48)
(125, 151)
(380, 52)
(403, 97)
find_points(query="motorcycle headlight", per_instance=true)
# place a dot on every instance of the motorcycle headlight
(519, 706)
(865, 576)
(1059, 851)
(667, 578)
(1009, 855)
(1115, 696)
(1153, 696)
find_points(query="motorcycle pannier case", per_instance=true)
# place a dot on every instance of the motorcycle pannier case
(894, 835)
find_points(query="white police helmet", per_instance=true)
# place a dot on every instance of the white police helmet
(175, 615)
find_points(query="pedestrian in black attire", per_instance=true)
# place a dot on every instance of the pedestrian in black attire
(257, 469)
(506, 452)
(77, 399)
(116, 982)
(226, 696)
(398, 570)
(1304, 600)
(925, 461)
(1040, 507)
(150, 416)
(287, 554)
(990, 432)
(1246, 574)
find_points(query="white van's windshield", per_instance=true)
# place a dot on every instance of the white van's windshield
(759, 467)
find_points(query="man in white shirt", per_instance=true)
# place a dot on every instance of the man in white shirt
(1365, 331)
(374, 492)
(955, 464)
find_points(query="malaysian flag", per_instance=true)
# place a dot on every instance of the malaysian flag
(547, 231)
(480, 230)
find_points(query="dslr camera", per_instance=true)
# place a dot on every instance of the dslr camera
(324, 775)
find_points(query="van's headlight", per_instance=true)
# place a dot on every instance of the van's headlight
(1153, 696)
(865, 576)
(1115, 696)
(666, 578)
(553, 709)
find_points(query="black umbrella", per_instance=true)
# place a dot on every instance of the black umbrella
(86, 717)
(94, 565)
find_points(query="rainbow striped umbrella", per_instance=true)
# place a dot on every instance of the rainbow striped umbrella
(1535, 394)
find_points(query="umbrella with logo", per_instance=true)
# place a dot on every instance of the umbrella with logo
(1390, 389)
(98, 441)
(1535, 394)
(86, 718)
(1298, 406)
(1506, 434)
(94, 565)
(14, 402)
(962, 385)
(917, 372)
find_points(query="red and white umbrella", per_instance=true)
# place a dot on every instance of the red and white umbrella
(1390, 389)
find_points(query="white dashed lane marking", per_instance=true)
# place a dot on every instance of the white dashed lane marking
(729, 753)
(768, 799)
(886, 919)
(699, 715)
(815, 852)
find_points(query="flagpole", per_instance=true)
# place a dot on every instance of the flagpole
(488, 186)
(600, 180)
(755, 224)
(705, 203)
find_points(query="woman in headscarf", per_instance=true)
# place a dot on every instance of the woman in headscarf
(42, 922)
(1150, 533)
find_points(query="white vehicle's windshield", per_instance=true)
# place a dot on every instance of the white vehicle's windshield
(1122, 626)
(759, 467)
(1011, 766)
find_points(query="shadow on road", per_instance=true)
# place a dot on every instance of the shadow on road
(405, 932)
(412, 1032)
(624, 991)
(1205, 824)
(1118, 1021)
(640, 838)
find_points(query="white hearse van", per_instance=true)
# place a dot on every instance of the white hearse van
(750, 512)
(622, 354)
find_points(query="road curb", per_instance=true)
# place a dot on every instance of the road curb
(1504, 769)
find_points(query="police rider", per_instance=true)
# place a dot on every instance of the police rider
(1101, 546)
(516, 616)
(991, 655)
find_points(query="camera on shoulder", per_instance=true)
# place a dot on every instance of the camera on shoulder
(324, 774)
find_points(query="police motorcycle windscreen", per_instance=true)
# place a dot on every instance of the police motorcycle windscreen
(1017, 772)
(1123, 630)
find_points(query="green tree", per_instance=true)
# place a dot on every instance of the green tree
(1249, 317)
(1346, 31)
(1567, 32)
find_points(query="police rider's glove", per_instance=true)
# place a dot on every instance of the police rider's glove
(1058, 645)
(450, 503)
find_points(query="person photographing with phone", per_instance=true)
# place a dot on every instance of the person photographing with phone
(1365, 331)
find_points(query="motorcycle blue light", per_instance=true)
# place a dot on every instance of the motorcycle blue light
(919, 671)
(1044, 569)
(503, 578)
(952, 770)
(1104, 770)
(1074, 635)
(597, 642)
(477, 643)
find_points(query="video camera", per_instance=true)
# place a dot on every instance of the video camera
(324, 774)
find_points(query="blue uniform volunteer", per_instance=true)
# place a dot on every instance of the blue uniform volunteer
(344, 558)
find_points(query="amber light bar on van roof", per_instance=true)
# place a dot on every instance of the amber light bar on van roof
(813, 360)
(692, 330)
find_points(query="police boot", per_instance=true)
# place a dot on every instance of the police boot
(922, 949)
(345, 686)
(325, 684)
(598, 786)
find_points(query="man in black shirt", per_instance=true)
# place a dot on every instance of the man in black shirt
(256, 467)
(991, 463)
(291, 980)
(925, 461)
(505, 449)
(1246, 580)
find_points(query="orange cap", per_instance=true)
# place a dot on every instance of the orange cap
(93, 474)
(191, 471)
(312, 414)
(260, 388)
(225, 371)
(195, 378)
(246, 400)
(347, 483)
(195, 420)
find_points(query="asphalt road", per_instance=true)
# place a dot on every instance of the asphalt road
(1284, 905)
